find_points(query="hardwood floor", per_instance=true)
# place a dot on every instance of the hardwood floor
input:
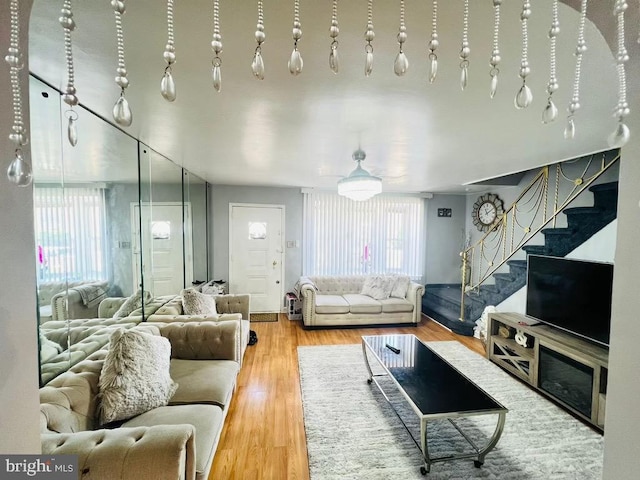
(263, 436)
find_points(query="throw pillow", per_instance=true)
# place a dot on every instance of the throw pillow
(376, 287)
(196, 303)
(400, 286)
(135, 375)
(132, 303)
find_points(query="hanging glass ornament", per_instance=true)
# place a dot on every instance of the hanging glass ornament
(524, 97)
(295, 60)
(121, 111)
(550, 112)
(574, 105)
(401, 63)
(19, 170)
(216, 46)
(72, 132)
(621, 134)
(257, 64)
(433, 43)
(369, 35)
(69, 97)
(465, 50)
(495, 52)
(334, 61)
(167, 83)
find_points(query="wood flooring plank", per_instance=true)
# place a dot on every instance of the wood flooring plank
(263, 435)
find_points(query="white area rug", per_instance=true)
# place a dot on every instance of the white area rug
(353, 433)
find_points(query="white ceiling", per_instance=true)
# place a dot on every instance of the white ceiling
(301, 131)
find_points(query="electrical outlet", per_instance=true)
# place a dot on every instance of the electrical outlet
(444, 212)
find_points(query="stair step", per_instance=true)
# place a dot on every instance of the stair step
(535, 249)
(517, 264)
(605, 195)
(558, 232)
(604, 187)
(449, 320)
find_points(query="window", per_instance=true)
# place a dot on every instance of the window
(382, 235)
(70, 233)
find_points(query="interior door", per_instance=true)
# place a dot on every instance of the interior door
(162, 252)
(256, 254)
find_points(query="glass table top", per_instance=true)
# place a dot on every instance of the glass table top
(433, 385)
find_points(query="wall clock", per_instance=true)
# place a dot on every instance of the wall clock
(486, 211)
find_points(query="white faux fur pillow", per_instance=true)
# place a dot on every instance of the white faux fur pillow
(132, 303)
(135, 375)
(196, 303)
(400, 286)
(377, 287)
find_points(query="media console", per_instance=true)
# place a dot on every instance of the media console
(566, 368)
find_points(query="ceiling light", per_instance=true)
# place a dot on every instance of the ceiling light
(359, 185)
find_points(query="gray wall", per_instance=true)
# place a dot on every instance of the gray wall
(19, 375)
(445, 239)
(223, 195)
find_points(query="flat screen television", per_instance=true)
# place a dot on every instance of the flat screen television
(573, 295)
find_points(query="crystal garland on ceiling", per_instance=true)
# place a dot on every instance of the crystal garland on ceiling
(19, 170)
(121, 110)
(581, 47)
(167, 84)
(465, 50)
(524, 97)
(257, 64)
(433, 43)
(401, 64)
(295, 61)
(620, 135)
(494, 61)
(69, 97)
(550, 112)
(369, 35)
(334, 31)
(216, 46)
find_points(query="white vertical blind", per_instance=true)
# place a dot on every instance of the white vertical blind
(70, 233)
(382, 235)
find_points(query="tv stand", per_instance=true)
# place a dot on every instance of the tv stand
(567, 369)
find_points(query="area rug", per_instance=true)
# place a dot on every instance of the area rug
(263, 317)
(353, 433)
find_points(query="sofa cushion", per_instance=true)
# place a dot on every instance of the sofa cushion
(135, 375)
(377, 287)
(362, 303)
(201, 381)
(396, 305)
(331, 304)
(207, 420)
(196, 303)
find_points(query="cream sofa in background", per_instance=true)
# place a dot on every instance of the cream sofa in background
(174, 441)
(331, 301)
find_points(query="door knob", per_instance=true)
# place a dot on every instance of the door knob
(278, 282)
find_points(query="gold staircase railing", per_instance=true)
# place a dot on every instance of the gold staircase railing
(527, 216)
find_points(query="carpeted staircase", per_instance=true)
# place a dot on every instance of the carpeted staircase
(442, 301)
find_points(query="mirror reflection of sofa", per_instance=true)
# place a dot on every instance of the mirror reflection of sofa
(62, 300)
(64, 343)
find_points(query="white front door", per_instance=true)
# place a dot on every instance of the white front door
(256, 254)
(164, 242)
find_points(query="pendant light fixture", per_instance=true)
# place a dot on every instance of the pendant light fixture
(360, 185)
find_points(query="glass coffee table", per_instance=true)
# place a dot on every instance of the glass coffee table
(434, 389)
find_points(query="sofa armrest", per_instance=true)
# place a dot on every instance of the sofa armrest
(308, 292)
(414, 295)
(109, 306)
(161, 451)
(203, 340)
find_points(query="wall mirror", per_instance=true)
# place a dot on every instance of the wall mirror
(112, 217)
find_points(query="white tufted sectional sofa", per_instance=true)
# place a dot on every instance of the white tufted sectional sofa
(331, 301)
(174, 441)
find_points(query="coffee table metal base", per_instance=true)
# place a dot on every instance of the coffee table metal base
(479, 453)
